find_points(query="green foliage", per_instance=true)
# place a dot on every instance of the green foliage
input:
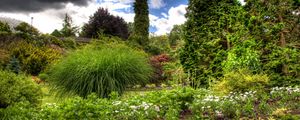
(176, 35)
(4, 27)
(14, 65)
(17, 88)
(101, 69)
(56, 33)
(33, 58)
(243, 57)
(207, 37)
(141, 22)
(157, 45)
(68, 30)
(46, 39)
(26, 29)
(180, 103)
(241, 80)
(43, 76)
(275, 24)
(69, 42)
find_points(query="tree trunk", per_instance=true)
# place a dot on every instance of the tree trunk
(283, 45)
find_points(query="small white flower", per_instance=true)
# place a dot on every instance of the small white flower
(157, 108)
(133, 107)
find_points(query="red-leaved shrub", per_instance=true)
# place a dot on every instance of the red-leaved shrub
(157, 64)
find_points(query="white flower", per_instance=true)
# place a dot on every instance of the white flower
(117, 103)
(133, 107)
(156, 108)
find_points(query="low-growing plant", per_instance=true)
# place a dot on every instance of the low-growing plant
(241, 80)
(17, 88)
(101, 69)
(69, 43)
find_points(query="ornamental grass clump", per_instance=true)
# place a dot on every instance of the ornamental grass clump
(100, 69)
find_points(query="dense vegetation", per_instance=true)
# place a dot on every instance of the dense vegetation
(100, 69)
(102, 22)
(227, 61)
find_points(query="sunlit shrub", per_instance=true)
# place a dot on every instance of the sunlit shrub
(101, 69)
(17, 88)
(33, 58)
(241, 80)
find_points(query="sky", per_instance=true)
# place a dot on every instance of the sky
(48, 14)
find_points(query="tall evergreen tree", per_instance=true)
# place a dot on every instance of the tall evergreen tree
(276, 24)
(208, 30)
(141, 22)
(68, 30)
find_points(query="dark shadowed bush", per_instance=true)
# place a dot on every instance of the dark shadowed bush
(17, 88)
(99, 69)
(104, 22)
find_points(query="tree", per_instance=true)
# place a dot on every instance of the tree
(68, 30)
(175, 35)
(208, 34)
(275, 23)
(56, 33)
(102, 22)
(141, 22)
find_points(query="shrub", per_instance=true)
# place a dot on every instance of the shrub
(241, 80)
(69, 43)
(17, 88)
(33, 59)
(4, 27)
(157, 64)
(100, 69)
(4, 58)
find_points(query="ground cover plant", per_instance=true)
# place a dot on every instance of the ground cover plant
(180, 103)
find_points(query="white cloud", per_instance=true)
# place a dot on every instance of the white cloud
(47, 21)
(156, 4)
(175, 17)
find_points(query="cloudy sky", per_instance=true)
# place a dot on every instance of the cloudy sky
(48, 14)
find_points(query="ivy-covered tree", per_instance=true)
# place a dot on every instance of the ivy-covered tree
(275, 23)
(102, 22)
(209, 32)
(141, 22)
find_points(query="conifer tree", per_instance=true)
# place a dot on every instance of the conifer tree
(207, 36)
(141, 22)
(68, 30)
(275, 23)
